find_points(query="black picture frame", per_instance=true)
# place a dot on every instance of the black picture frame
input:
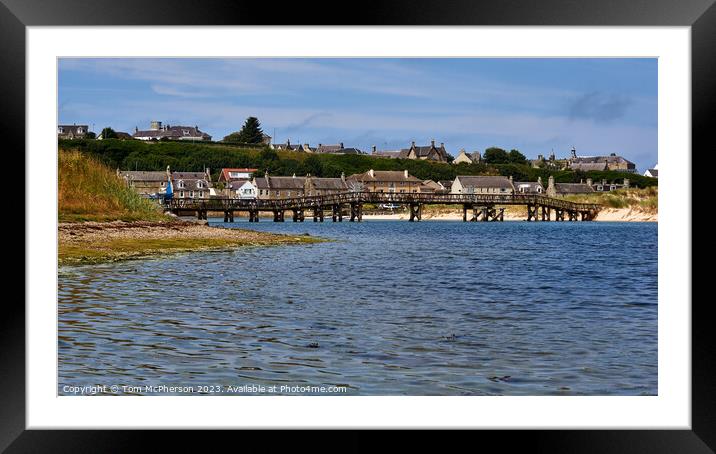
(700, 15)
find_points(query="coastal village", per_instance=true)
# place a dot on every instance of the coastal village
(247, 183)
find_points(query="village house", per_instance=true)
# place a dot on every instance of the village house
(529, 187)
(562, 189)
(653, 173)
(266, 139)
(120, 135)
(470, 184)
(600, 163)
(193, 185)
(604, 186)
(145, 183)
(270, 187)
(157, 131)
(286, 146)
(324, 186)
(336, 149)
(550, 163)
(467, 158)
(427, 152)
(385, 181)
(72, 131)
(241, 189)
(392, 154)
(430, 187)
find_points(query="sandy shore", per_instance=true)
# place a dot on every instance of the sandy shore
(93, 242)
(605, 215)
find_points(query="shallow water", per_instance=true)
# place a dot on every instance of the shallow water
(390, 307)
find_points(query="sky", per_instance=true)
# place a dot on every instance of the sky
(538, 106)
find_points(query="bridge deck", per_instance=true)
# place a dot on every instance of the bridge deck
(310, 202)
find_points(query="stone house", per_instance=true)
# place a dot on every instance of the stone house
(611, 162)
(529, 187)
(323, 186)
(270, 187)
(193, 185)
(562, 189)
(385, 181)
(467, 158)
(470, 184)
(145, 183)
(72, 131)
(157, 131)
(427, 152)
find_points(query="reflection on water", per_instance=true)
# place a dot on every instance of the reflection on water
(431, 308)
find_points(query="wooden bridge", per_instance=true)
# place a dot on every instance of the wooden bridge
(481, 207)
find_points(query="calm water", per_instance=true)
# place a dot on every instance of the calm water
(398, 308)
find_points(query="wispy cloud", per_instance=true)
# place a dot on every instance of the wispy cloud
(599, 107)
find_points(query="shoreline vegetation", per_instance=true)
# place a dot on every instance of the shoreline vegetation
(101, 220)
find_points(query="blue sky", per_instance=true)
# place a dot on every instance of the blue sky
(599, 106)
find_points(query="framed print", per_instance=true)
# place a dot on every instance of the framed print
(426, 217)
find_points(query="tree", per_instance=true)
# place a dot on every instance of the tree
(515, 157)
(91, 135)
(108, 133)
(250, 133)
(494, 155)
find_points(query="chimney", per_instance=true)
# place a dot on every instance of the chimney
(589, 181)
(432, 143)
(413, 142)
(288, 142)
(604, 181)
(374, 149)
(208, 174)
(136, 129)
(343, 176)
(371, 173)
(341, 145)
(626, 183)
(319, 145)
(510, 178)
(406, 174)
(539, 180)
(550, 182)
(442, 144)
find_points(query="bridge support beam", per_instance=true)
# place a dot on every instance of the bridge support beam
(277, 215)
(318, 214)
(546, 213)
(253, 215)
(298, 215)
(558, 214)
(572, 215)
(228, 216)
(356, 211)
(201, 214)
(532, 212)
(464, 212)
(416, 212)
(337, 213)
(496, 215)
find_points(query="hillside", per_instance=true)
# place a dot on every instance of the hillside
(89, 191)
(133, 154)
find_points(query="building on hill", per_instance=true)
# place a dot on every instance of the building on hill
(604, 186)
(392, 154)
(73, 131)
(471, 184)
(158, 131)
(562, 189)
(467, 158)
(288, 146)
(384, 181)
(550, 163)
(611, 162)
(336, 149)
(427, 152)
(266, 139)
(529, 187)
(653, 173)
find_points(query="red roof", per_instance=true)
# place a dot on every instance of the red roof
(225, 172)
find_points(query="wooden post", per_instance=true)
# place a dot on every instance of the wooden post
(464, 212)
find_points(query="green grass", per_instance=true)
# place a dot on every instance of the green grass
(89, 191)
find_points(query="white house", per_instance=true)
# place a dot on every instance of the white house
(654, 172)
(243, 189)
(468, 184)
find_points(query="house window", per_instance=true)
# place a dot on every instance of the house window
(181, 194)
(278, 193)
(600, 188)
(180, 184)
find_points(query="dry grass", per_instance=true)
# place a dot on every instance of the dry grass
(90, 191)
(646, 200)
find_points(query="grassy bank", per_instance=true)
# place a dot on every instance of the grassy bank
(90, 191)
(644, 200)
(101, 220)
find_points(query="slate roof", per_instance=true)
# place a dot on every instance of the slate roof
(141, 175)
(471, 181)
(329, 148)
(174, 132)
(386, 154)
(280, 183)
(587, 166)
(572, 188)
(532, 186)
(329, 183)
(384, 176)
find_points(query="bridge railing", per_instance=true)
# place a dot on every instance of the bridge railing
(304, 202)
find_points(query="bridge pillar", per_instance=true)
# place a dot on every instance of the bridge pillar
(278, 216)
(298, 215)
(201, 214)
(253, 216)
(464, 212)
(228, 216)
(558, 214)
(337, 213)
(416, 212)
(572, 215)
(356, 212)
(318, 214)
(546, 213)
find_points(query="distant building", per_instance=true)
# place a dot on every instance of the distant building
(145, 182)
(266, 139)
(470, 184)
(446, 185)
(611, 162)
(72, 131)
(604, 186)
(324, 186)
(120, 135)
(286, 146)
(562, 189)
(157, 131)
(392, 154)
(427, 152)
(241, 189)
(653, 173)
(384, 181)
(336, 149)
(529, 187)
(467, 158)
(430, 187)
